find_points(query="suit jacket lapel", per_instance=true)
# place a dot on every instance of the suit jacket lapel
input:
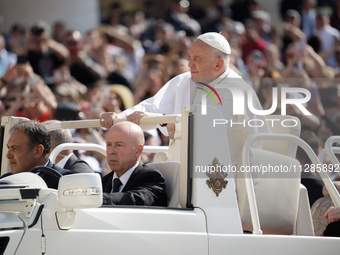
(132, 179)
(70, 161)
(107, 182)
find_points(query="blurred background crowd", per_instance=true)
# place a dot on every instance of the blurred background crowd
(51, 71)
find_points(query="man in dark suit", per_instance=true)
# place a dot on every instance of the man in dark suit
(67, 159)
(29, 147)
(130, 183)
(77, 165)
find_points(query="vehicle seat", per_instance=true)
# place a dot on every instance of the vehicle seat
(170, 171)
(160, 157)
(277, 194)
(275, 123)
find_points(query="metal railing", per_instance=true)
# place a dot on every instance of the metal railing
(174, 118)
(148, 120)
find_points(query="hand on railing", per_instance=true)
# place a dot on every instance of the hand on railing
(147, 120)
(107, 118)
(136, 116)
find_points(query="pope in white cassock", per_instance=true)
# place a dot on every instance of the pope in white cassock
(209, 64)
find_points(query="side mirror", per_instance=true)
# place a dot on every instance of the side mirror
(80, 191)
(77, 191)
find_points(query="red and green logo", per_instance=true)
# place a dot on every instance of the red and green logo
(209, 93)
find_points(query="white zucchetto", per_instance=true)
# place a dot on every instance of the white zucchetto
(216, 41)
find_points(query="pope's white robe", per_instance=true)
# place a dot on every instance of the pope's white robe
(181, 91)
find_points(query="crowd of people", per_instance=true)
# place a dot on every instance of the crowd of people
(52, 73)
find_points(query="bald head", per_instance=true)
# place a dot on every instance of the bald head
(131, 130)
(124, 145)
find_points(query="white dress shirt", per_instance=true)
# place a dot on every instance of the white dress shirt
(63, 161)
(125, 177)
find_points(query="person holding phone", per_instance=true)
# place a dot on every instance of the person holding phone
(82, 67)
(27, 94)
(43, 53)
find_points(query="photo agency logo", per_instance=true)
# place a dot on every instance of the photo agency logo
(204, 97)
(245, 102)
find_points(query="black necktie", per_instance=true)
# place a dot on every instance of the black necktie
(116, 185)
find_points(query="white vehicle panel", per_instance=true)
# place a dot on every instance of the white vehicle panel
(131, 231)
(272, 244)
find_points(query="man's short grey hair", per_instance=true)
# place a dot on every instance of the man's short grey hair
(59, 136)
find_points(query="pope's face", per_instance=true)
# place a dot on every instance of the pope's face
(202, 62)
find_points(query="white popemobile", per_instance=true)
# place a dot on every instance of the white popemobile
(213, 208)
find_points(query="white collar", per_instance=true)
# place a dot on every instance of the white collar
(220, 78)
(125, 177)
(63, 161)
